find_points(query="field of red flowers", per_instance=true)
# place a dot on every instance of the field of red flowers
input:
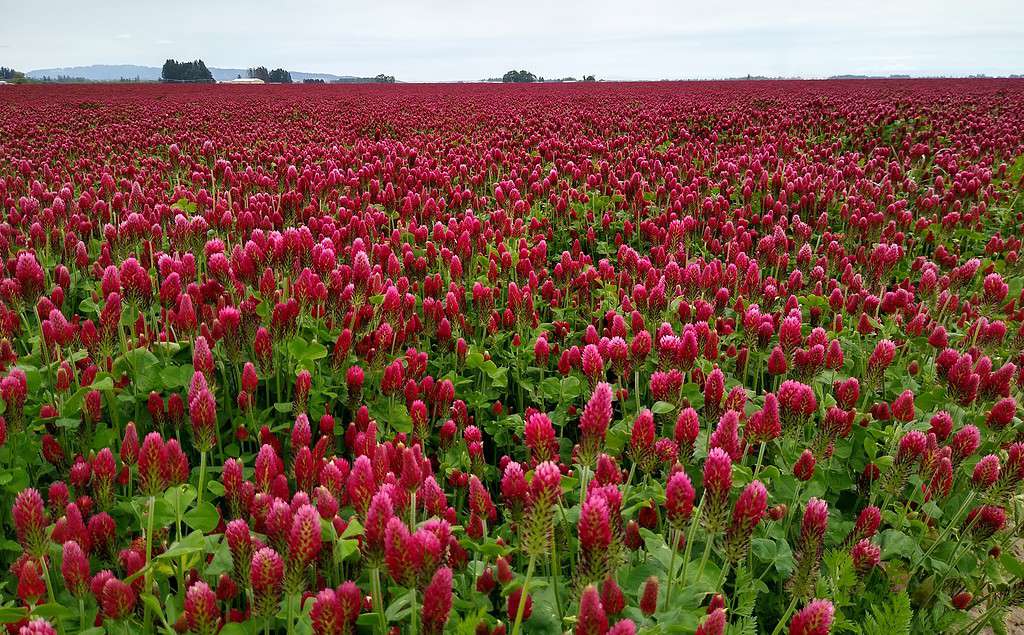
(603, 359)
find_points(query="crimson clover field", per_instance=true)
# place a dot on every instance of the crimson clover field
(725, 357)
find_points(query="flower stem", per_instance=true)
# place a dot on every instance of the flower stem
(704, 558)
(689, 540)
(673, 544)
(523, 595)
(147, 585)
(945, 532)
(202, 477)
(760, 459)
(785, 617)
(414, 628)
(378, 599)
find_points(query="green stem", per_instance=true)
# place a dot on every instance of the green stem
(148, 584)
(378, 599)
(689, 540)
(414, 627)
(673, 544)
(945, 532)
(412, 512)
(785, 617)
(760, 459)
(629, 481)
(556, 565)
(202, 478)
(704, 558)
(289, 602)
(723, 576)
(522, 596)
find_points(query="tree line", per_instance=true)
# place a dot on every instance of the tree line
(196, 72)
(526, 77)
(276, 76)
(10, 75)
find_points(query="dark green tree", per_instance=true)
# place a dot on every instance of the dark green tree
(10, 75)
(280, 76)
(195, 71)
(519, 77)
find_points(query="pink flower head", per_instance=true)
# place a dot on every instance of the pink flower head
(201, 611)
(29, 516)
(74, 568)
(749, 509)
(267, 576)
(679, 496)
(686, 432)
(866, 556)
(713, 624)
(594, 526)
(591, 619)
(540, 438)
(152, 464)
(304, 538)
(717, 483)
(649, 596)
(597, 414)
(437, 602)
(813, 619)
(726, 436)
(986, 472)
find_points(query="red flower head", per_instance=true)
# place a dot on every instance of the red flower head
(803, 469)
(118, 599)
(591, 619)
(267, 576)
(717, 483)
(866, 556)
(750, 508)
(612, 598)
(964, 443)
(540, 438)
(986, 472)
(437, 602)
(29, 516)
(74, 568)
(594, 526)
(304, 538)
(38, 626)
(649, 596)
(686, 431)
(202, 410)
(903, 407)
(679, 495)
(201, 609)
(726, 435)
(31, 586)
(813, 619)
(641, 440)
(152, 464)
(713, 624)
(597, 414)
(985, 521)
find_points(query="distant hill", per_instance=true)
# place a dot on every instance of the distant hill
(116, 72)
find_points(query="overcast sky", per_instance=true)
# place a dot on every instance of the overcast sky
(443, 40)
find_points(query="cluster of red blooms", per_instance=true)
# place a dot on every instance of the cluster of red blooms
(594, 358)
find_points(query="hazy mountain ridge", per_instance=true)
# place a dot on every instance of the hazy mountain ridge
(115, 72)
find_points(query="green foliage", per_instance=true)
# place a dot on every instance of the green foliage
(890, 618)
